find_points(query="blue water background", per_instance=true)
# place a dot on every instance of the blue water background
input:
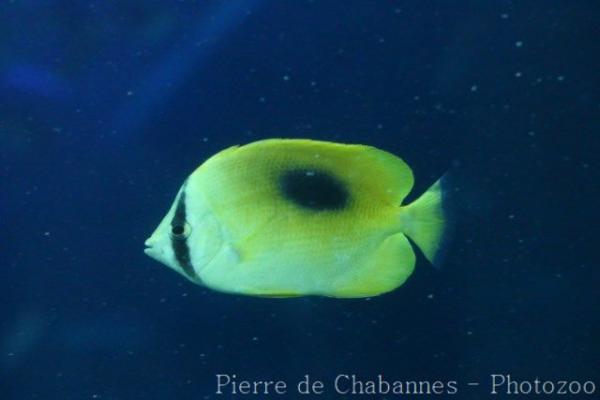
(106, 107)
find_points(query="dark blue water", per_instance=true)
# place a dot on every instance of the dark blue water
(106, 107)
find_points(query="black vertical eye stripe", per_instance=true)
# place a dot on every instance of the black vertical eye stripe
(180, 245)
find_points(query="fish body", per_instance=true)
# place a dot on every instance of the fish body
(294, 217)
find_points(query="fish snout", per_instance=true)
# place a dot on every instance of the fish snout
(151, 249)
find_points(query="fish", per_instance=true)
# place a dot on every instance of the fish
(285, 218)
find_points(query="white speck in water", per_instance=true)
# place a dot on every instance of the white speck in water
(560, 78)
(286, 77)
(474, 88)
(310, 173)
(261, 99)
(518, 74)
(130, 93)
(519, 44)
(430, 296)
(47, 233)
(504, 16)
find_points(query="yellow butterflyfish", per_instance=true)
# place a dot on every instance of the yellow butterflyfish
(297, 217)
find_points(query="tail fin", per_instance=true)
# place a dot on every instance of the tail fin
(425, 221)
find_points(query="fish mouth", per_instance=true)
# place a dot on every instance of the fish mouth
(149, 249)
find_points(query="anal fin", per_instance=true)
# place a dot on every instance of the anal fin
(384, 270)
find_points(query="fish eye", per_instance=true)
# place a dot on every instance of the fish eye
(180, 231)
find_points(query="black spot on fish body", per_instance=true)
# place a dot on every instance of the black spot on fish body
(314, 189)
